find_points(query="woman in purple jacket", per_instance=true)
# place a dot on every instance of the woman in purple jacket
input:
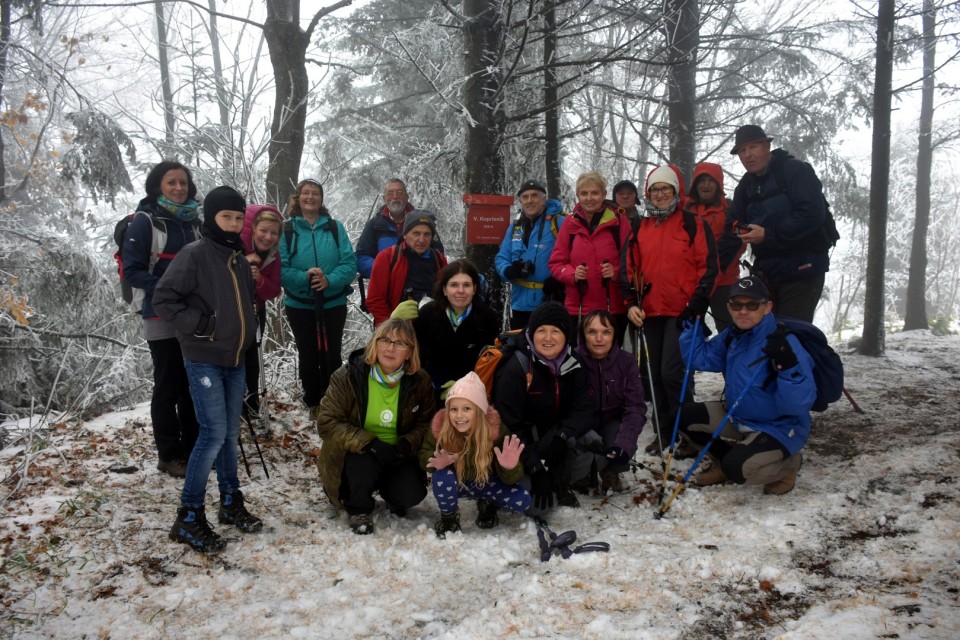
(619, 405)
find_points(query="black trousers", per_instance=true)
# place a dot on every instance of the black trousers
(667, 368)
(316, 368)
(402, 485)
(251, 401)
(175, 425)
(798, 298)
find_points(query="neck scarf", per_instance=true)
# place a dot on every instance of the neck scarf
(186, 212)
(389, 380)
(456, 320)
(653, 211)
(554, 364)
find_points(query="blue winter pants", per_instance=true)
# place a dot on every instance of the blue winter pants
(447, 491)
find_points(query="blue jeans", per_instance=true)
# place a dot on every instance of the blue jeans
(217, 399)
(513, 497)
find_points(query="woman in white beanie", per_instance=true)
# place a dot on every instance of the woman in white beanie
(467, 457)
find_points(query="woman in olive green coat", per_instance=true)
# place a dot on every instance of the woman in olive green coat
(372, 422)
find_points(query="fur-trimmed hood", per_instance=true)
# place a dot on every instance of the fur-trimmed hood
(493, 419)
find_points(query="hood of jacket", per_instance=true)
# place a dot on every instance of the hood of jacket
(711, 169)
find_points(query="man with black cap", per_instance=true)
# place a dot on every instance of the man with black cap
(627, 196)
(761, 443)
(403, 274)
(779, 210)
(526, 247)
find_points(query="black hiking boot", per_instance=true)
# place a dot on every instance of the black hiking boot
(361, 524)
(193, 529)
(448, 523)
(233, 512)
(176, 468)
(567, 498)
(610, 481)
(487, 514)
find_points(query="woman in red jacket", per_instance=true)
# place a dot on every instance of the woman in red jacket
(670, 265)
(586, 256)
(262, 226)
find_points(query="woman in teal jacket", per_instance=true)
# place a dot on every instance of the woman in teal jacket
(318, 265)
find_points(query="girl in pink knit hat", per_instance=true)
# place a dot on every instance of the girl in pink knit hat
(467, 458)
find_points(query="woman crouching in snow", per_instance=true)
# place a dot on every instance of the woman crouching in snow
(461, 450)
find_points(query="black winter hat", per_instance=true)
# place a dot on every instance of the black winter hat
(553, 314)
(531, 184)
(418, 217)
(626, 184)
(222, 198)
(749, 287)
(748, 133)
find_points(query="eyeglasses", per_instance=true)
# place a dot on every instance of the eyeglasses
(751, 306)
(387, 342)
(394, 192)
(661, 190)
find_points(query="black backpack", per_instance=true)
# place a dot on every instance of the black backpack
(830, 232)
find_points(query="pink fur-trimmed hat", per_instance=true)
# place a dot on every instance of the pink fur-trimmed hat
(470, 387)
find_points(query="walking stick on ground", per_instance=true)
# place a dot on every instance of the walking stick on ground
(683, 395)
(713, 437)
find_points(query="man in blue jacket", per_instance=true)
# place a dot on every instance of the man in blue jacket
(762, 441)
(778, 209)
(525, 250)
(384, 230)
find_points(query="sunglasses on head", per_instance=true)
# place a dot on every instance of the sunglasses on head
(751, 306)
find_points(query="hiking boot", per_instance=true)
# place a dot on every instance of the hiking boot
(610, 481)
(652, 449)
(713, 475)
(567, 498)
(233, 512)
(361, 524)
(487, 514)
(176, 468)
(684, 450)
(583, 485)
(448, 523)
(400, 512)
(193, 529)
(786, 483)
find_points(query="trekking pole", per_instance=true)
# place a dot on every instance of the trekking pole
(713, 437)
(256, 445)
(606, 287)
(264, 400)
(322, 345)
(856, 407)
(243, 455)
(582, 290)
(683, 395)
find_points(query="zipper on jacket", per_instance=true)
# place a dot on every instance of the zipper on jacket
(231, 266)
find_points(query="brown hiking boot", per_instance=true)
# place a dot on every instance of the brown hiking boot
(713, 475)
(173, 468)
(786, 483)
(610, 481)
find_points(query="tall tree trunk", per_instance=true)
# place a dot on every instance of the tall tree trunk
(169, 119)
(551, 123)
(483, 34)
(287, 44)
(682, 21)
(873, 306)
(4, 43)
(916, 313)
(227, 155)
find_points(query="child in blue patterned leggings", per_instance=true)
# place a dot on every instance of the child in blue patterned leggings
(462, 453)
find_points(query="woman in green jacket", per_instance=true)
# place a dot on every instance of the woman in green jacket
(372, 421)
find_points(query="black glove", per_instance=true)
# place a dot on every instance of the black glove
(513, 271)
(696, 307)
(780, 351)
(528, 269)
(541, 489)
(403, 449)
(382, 452)
(618, 457)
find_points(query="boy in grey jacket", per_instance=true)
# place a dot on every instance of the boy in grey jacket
(207, 293)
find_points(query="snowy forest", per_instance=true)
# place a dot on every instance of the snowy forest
(461, 97)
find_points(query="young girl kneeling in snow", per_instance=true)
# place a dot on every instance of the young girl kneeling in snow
(461, 450)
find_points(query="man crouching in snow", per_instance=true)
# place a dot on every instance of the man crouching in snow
(761, 443)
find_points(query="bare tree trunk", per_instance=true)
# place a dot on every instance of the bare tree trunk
(4, 43)
(223, 100)
(552, 116)
(873, 306)
(287, 44)
(916, 312)
(682, 20)
(169, 120)
(483, 34)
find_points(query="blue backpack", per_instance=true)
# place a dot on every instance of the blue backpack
(827, 366)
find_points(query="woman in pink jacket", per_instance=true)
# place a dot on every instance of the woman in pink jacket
(586, 256)
(262, 228)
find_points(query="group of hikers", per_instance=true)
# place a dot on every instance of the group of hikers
(607, 308)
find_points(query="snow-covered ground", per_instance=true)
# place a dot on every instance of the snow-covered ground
(865, 547)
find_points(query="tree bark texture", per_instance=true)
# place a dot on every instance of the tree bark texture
(287, 44)
(4, 43)
(483, 33)
(682, 24)
(916, 311)
(551, 124)
(169, 119)
(873, 306)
